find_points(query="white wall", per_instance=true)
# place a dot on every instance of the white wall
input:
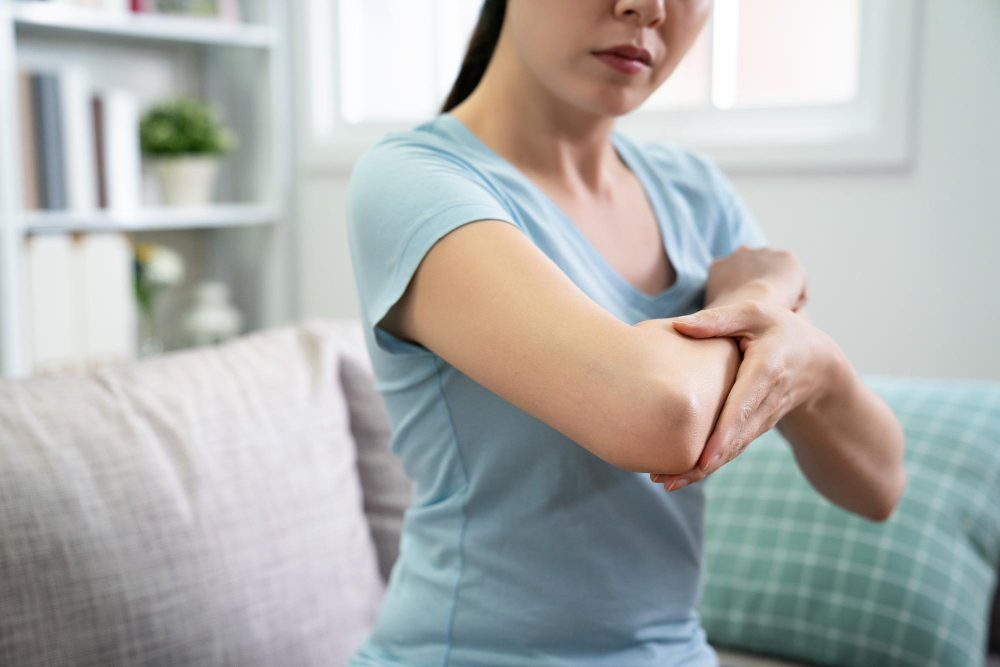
(903, 267)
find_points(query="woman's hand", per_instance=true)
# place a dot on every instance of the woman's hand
(778, 272)
(786, 361)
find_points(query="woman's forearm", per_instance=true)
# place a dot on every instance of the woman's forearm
(849, 443)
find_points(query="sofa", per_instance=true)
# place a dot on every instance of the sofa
(236, 504)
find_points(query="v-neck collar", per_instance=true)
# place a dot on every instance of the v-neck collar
(626, 290)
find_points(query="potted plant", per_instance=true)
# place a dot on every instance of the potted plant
(185, 140)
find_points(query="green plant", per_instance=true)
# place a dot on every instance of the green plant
(184, 125)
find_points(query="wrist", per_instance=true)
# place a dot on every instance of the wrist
(834, 377)
(755, 290)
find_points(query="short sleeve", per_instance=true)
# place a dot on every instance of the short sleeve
(740, 225)
(403, 196)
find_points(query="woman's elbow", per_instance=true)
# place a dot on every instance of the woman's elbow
(666, 444)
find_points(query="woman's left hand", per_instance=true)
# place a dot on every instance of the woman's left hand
(786, 361)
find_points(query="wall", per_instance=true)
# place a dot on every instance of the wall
(903, 266)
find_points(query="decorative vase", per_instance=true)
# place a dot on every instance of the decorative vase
(150, 343)
(186, 180)
(212, 319)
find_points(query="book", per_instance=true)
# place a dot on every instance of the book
(53, 330)
(82, 308)
(78, 138)
(122, 155)
(29, 146)
(48, 139)
(100, 164)
(107, 317)
(119, 6)
(229, 11)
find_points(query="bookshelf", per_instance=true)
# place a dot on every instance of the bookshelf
(241, 68)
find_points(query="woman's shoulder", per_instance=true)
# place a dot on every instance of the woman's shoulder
(417, 156)
(679, 165)
(425, 140)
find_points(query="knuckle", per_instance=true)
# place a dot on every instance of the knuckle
(735, 449)
(753, 307)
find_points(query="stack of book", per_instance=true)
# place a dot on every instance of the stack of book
(80, 146)
(82, 300)
(80, 153)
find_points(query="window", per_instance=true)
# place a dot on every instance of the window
(765, 53)
(768, 84)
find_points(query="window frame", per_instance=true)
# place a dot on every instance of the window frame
(875, 131)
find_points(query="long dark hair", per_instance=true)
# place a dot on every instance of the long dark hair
(481, 46)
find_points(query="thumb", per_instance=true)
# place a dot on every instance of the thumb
(733, 319)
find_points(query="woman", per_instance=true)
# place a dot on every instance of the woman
(537, 381)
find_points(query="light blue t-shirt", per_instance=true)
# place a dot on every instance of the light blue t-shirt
(521, 547)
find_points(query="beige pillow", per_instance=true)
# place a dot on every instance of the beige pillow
(198, 508)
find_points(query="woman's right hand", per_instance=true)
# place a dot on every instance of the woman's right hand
(778, 270)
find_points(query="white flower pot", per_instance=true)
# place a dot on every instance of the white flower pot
(187, 180)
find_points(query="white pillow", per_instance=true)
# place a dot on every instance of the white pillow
(197, 508)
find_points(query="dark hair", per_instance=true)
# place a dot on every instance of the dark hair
(481, 46)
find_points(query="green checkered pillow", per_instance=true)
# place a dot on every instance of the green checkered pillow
(790, 574)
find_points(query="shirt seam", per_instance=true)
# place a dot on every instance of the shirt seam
(397, 264)
(417, 227)
(461, 539)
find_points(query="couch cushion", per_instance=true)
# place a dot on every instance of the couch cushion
(197, 508)
(790, 574)
(386, 488)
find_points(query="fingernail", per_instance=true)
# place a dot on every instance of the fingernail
(680, 484)
(712, 462)
(671, 485)
(688, 319)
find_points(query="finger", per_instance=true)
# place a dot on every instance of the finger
(753, 383)
(745, 318)
(763, 419)
(674, 482)
(666, 478)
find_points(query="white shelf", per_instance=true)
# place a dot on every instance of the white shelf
(59, 17)
(150, 218)
(241, 68)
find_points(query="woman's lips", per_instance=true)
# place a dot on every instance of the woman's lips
(626, 65)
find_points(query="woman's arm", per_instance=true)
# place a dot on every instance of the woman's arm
(849, 444)
(846, 439)
(713, 372)
(488, 301)
(706, 374)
